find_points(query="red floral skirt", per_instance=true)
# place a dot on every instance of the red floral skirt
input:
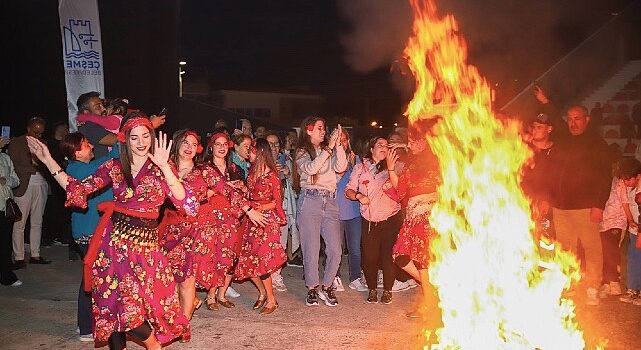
(415, 234)
(216, 246)
(261, 252)
(133, 283)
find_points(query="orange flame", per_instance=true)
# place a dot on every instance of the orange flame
(492, 293)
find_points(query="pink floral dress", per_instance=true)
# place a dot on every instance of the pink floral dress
(132, 281)
(179, 231)
(417, 184)
(262, 252)
(217, 239)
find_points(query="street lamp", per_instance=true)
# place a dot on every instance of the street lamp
(180, 77)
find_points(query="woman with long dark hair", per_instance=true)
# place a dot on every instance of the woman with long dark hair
(218, 245)
(381, 217)
(417, 184)
(318, 161)
(178, 230)
(133, 288)
(262, 253)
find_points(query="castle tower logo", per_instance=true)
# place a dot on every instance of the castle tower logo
(81, 51)
(79, 41)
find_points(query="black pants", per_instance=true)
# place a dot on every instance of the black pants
(377, 240)
(85, 317)
(7, 277)
(611, 254)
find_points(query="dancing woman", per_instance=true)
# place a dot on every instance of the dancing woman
(417, 184)
(381, 217)
(317, 216)
(178, 230)
(132, 285)
(262, 252)
(219, 241)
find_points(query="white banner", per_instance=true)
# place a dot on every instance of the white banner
(81, 51)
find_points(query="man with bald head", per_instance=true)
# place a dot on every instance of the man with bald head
(578, 189)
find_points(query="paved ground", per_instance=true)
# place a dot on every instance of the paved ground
(40, 314)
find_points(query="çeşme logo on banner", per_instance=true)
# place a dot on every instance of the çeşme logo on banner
(80, 58)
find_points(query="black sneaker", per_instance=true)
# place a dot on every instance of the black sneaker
(328, 296)
(386, 298)
(312, 297)
(372, 297)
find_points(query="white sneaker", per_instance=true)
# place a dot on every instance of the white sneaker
(400, 286)
(232, 293)
(615, 288)
(630, 296)
(85, 337)
(358, 285)
(592, 297)
(412, 283)
(379, 279)
(338, 284)
(17, 283)
(604, 291)
(277, 282)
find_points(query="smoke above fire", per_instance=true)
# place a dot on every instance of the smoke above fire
(510, 41)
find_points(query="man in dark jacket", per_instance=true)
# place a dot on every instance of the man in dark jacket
(31, 195)
(578, 190)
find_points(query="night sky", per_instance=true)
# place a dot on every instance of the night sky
(344, 48)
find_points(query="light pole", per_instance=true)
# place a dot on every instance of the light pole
(180, 77)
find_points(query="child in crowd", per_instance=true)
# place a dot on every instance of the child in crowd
(115, 109)
(616, 218)
(631, 174)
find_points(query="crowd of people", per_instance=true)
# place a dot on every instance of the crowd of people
(586, 197)
(157, 218)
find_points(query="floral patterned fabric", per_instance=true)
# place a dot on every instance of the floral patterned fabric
(262, 252)
(179, 230)
(132, 282)
(417, 184)
(217, 239)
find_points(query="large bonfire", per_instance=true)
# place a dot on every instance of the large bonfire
(492, 292)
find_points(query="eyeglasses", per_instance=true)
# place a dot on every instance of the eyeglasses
(220, 144)
(274, 144)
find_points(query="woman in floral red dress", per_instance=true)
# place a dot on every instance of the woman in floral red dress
(177, 230)
(133, 288)
(218, 242)
(262, 253)
(416, 185)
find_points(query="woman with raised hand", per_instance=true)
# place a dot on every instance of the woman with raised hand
(132, 285)
(219, 241)
(178, 230)
(381, 217)
(318, 161)
(417, 184)
(262, 252)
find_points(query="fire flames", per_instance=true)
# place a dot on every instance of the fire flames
(485, 268)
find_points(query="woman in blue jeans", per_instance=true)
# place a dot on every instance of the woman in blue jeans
(317, 162)
(350, 220)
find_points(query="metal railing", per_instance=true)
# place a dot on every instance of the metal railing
(587, 66)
